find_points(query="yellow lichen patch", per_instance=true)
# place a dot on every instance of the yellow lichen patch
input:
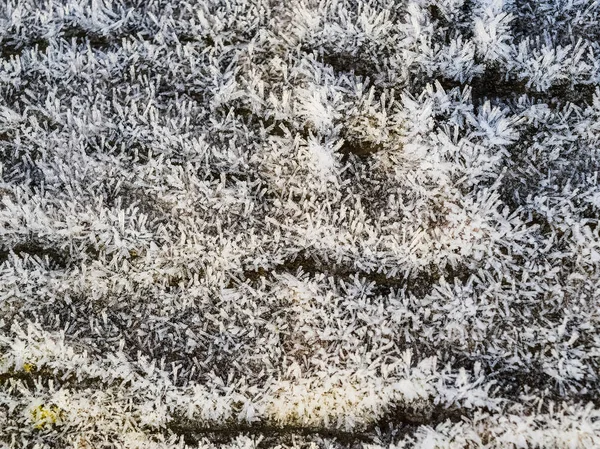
(45, 416)
(29, 367)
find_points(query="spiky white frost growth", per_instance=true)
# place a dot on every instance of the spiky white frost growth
(231, 223)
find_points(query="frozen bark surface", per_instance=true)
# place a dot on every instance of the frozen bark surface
(250, 223)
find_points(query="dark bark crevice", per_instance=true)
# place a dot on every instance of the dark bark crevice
(418, 283)
(493, 85)
(193, 433)
(57, 259)
(400, 419)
